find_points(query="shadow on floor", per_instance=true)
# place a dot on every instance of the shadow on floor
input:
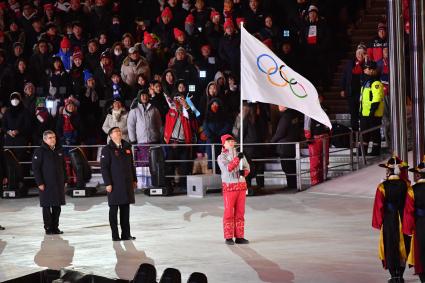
(55, 253)
(267, 270)
(129, 259)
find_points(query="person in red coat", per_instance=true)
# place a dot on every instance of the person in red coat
(414, 221)
(387, 217)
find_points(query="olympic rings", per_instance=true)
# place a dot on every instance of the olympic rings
(293, 83)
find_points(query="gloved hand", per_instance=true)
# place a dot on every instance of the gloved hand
(240, 155)
(242, 173)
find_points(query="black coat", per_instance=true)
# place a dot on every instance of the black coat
(118, 170)
(49, 169)
(288, 130)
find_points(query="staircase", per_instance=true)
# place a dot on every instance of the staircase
(365, 30)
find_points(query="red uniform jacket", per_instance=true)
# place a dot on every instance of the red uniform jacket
(189, 124)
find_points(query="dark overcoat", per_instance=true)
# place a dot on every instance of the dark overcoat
(118, 171)
(48, 166)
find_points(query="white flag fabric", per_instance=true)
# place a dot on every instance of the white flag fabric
(266, 78)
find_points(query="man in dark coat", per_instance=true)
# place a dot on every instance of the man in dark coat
(288, 130)
(119, 176)
(48, 165)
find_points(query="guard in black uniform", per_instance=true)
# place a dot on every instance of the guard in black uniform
(119, 175)
(48, 165)
(414, 221)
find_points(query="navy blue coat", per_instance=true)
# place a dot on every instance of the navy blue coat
(118, 170)
(49, 170)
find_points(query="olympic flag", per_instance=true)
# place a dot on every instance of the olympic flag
(266, 78)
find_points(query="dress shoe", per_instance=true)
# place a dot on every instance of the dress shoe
(57, 232)
(241, 241)
(229, 242)
(2, 228)
(129, 238)
(116, 239)
(49, 232)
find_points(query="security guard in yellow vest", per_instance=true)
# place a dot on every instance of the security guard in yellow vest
(371, 107)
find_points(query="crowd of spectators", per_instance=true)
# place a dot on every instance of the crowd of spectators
(161, 70)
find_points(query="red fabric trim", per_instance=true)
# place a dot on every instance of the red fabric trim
(378, 210)
(170, 121)
(233, 164)
(231, 187)
(409, 216)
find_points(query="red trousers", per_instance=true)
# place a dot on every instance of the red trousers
(234, 212)
(315, 150)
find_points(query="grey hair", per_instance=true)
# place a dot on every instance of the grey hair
(48, 132)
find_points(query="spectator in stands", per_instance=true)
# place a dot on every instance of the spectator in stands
(60, 82)
(77, 74)
(69, 126)
(164, 29)
(168, 79)
(103, 42)
(4, 77)
(16, 125)
(43, 121)
(144, 127)
(228, 49)
(127, 41)
(15, 34)
(40, 64)
(211, 91)
(99, 17)
(352, 80)
(103, 72)
(216, 124)
(89, 109)
(118, 55)
(315, 41)
(254, 17)
(33, 35)
(287, 54)
(21, 75)
(134, 65)
(117, 117)
(29, 98)
(65, 53)
(288, 132)
(157, 98)
(142, 83)
(179, 14)
(93, 55)
(220, 80)
(17, 52)
(150, 52)
(374, 50)
(183, 67)
(207, 64)
(76, 13)
(270, 31)
(78, 38)
(117, 88)
(214, 30)
(231, 97)
(201, 14)
(52, 37)
(180, 128)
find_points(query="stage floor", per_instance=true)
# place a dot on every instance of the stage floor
(323, 234)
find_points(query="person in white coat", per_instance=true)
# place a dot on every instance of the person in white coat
(117, 118)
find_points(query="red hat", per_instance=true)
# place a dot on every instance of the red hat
(167, 13)
(228, 23)
(213, 14)
(178, 33)
(48, 6)
(65, 43)
(148, 38)
(226, 137)
(190, 19)
(77, 54)
(239, 20)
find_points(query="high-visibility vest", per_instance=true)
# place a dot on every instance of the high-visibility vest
(372, 92)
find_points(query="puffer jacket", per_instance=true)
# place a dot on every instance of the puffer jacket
(120, 122)
(229, 165)
(130, 70)
(144, 124)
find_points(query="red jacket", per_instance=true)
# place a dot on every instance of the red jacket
(188, 125)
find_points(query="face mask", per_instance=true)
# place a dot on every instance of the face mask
(117, 52)
(214, 108)
(14, 102)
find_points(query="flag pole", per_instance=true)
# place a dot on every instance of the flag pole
(241, 106)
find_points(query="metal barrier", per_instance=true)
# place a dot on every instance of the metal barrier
(355, 138)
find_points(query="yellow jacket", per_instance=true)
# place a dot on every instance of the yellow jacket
(372, 99)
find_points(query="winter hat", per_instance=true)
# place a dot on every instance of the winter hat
(190, 19)
(313, 8)
(226, 137)
(180, 49)
(132, 50)
(15, 95)
(71, 100)
(87, 75)
(106, 54)
(361, 46)
(48, 6)
(228, 23)
(167, 13)
(148, 38)
(213, 14)
(77, 54)
(240, 20)
(178, 33)
(65, 43)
